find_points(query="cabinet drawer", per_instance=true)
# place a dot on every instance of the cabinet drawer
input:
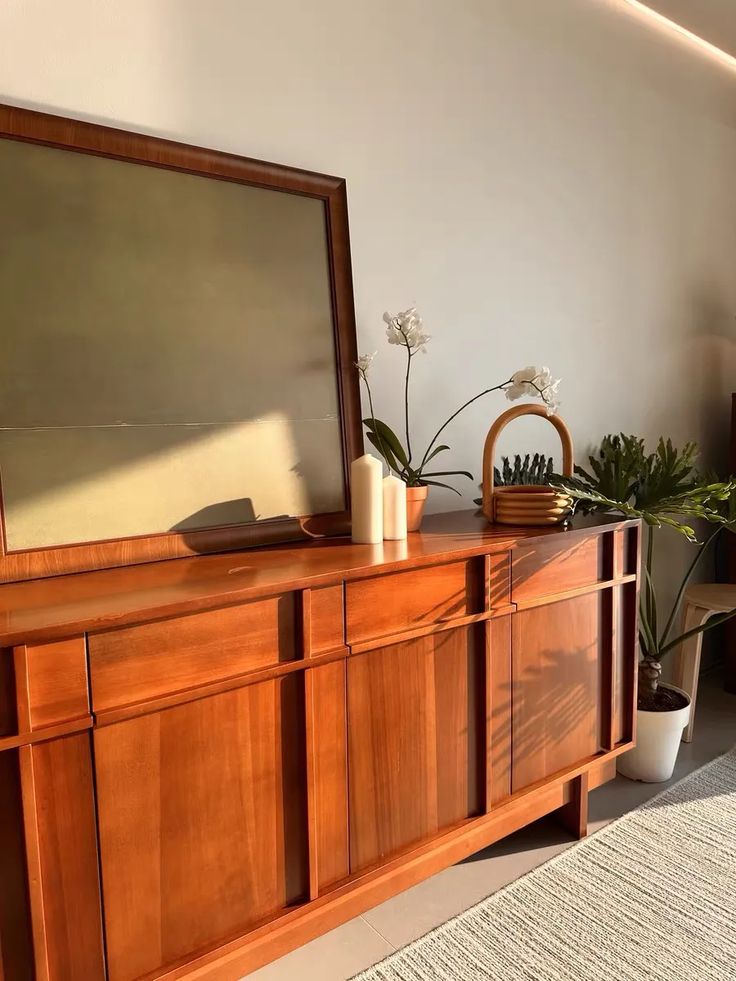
(546, 568)
(391, 604)
(137, 663)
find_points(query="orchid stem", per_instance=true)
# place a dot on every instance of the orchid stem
(406, 401)
(382, 451)
(457, 413)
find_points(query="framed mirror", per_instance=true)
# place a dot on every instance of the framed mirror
(177, 346)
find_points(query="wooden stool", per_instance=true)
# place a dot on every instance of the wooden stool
(700, 603)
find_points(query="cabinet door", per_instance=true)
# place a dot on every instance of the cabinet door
(415, 740)
(556, 685)
(202, 818)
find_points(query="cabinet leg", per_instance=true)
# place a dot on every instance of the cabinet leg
(574, 816)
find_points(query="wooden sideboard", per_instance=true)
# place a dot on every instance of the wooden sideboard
(206, 762)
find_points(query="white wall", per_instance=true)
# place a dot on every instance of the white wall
(549, 181)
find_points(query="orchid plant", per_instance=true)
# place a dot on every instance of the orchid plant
(405, 329)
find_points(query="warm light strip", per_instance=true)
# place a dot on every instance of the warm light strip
(671, 25)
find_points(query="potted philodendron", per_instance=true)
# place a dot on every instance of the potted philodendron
(406, 330)
(665, 489)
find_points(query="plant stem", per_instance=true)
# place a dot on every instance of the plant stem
(645, 638)
(649, 610)
(711, 622)
(683, 585)
(406, 401)
(457, 413)
(364, 376)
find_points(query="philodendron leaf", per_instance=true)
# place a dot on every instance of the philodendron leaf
(386, 435)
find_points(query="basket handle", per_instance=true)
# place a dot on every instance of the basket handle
(489, 449)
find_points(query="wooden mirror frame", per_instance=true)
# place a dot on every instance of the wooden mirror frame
(29, 126)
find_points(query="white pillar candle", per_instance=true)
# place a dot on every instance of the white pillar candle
(366, 492)
(394, 509)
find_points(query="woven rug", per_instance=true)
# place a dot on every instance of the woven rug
(650, 897)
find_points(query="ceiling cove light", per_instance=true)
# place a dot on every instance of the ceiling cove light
(671, 25)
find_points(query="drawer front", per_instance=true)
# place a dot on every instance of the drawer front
(546, 568)
(137, 663)
(389, 605)
(57, 682)
(43, 685)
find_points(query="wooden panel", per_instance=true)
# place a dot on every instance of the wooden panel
(16, 949)
(328, 628)
(548, 567)
(609, 702)
(57, 682)
(556, 684)
(498, 741)
(328, 777)
(625, 663)
(8, 699)
(598, 775)
(58, 804)
(387, 605)
(499, 579)
(202, 816)
(619, 554)
(415, 737)
(154, 659)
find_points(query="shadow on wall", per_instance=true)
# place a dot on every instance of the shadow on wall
(713, 352)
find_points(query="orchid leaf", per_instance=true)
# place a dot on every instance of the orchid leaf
(436, 450)
(438, 483)
(449, 473)
(385, 452)
(386, 435)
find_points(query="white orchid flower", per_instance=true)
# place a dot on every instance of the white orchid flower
(535, 383)
(406, 328)
(364, 362)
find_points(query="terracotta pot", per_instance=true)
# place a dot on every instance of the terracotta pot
(416, 498)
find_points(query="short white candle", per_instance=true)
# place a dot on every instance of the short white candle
(394, 509)
(366, 492)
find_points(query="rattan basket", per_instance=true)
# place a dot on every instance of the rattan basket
(530, 504)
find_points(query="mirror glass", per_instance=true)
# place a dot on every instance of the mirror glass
(167, 354)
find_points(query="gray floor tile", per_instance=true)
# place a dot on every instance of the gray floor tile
(335, 956)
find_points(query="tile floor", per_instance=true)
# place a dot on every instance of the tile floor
(351, 948)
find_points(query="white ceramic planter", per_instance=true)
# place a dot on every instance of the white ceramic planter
(658, 736)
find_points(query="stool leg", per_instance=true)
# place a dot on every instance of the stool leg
(687, 667)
